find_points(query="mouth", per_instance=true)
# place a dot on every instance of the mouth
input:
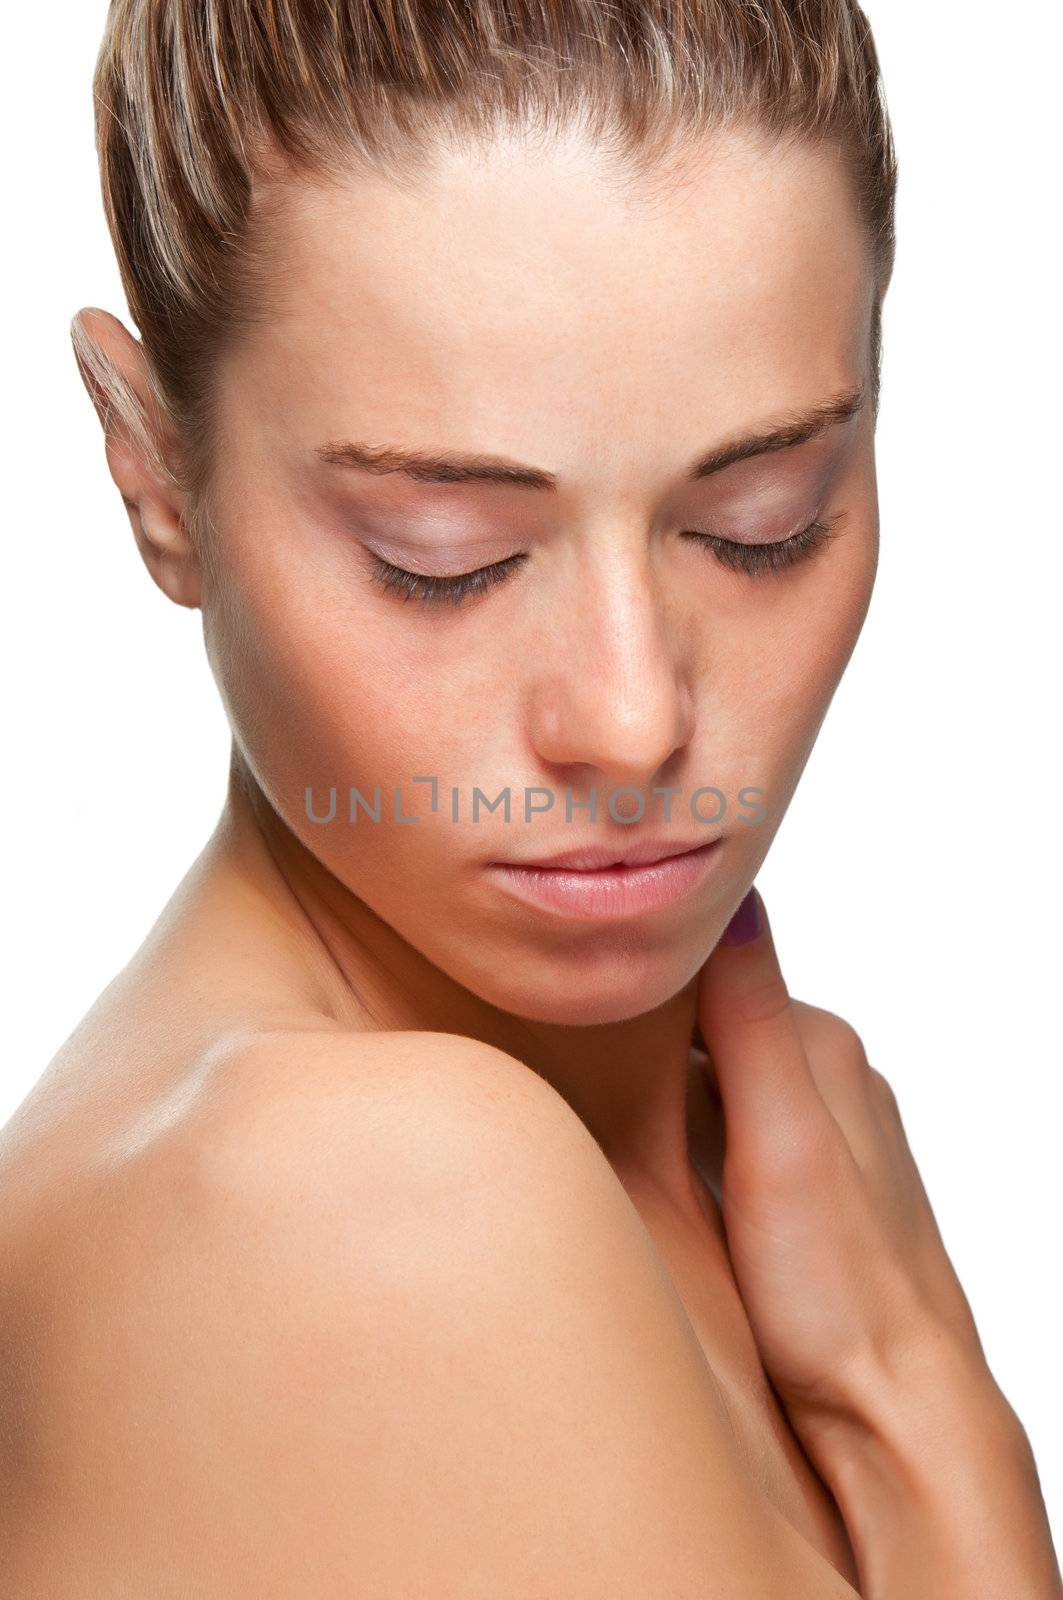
(596, 858)
(606, 884)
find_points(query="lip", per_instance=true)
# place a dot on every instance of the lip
(591, 858)
(610, 892)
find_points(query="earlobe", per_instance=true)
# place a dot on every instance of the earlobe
(112, 367)
(165, 547)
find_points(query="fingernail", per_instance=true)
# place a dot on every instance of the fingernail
(745, 924)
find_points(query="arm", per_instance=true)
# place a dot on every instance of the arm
(938, 1486)
(858, 1314)
(391, 1328)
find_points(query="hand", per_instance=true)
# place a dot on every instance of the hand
(835, 1249)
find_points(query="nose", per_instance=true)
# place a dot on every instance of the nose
(611, 692)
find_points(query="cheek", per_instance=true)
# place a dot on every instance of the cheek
(313, 658)
(323, 695)
(305, 694)
(835, 623)
(786, 663)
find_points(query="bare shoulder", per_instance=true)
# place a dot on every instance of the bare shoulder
(319, 1070)
(416, 1109)
(380, 1319)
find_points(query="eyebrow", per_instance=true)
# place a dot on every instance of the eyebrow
(423, 467)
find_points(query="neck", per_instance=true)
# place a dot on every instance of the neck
(632, 1083)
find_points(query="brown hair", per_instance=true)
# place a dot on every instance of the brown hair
(197, 99)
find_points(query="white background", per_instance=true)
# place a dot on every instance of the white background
(914, 885)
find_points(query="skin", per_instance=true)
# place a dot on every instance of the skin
(525, 304)
(578, 333)
(530, 309)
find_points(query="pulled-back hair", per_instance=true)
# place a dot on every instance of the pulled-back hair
(198, 102)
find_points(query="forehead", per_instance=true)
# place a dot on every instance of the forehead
(521, 283)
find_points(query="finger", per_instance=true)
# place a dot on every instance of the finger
(750, 1029)
(846, 1082)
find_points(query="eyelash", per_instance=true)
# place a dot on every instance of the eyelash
(757, 559)
(752, 559)
(431, 591)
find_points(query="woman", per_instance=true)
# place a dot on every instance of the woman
(505, 400)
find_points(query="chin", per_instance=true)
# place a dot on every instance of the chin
(611, 988)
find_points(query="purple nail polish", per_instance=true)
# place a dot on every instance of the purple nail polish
(745, 924)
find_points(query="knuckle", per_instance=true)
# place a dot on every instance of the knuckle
(883, 1091)
(833, 1041)
(763, 1002)
(828, 1028)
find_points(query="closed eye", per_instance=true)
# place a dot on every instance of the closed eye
(751, 559)
(757, 559)
(431, 590)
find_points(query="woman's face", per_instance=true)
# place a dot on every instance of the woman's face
(521, 309)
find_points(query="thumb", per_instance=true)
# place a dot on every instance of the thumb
(747, 1020)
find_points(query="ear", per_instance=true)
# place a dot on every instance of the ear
(156, 508)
